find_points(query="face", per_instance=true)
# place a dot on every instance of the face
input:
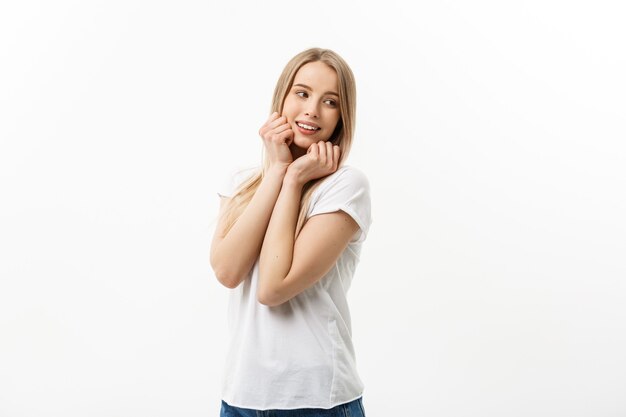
(312, 102)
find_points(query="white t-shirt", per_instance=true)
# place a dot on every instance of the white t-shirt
(300, 354)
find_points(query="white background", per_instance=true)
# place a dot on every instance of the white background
(493, 279)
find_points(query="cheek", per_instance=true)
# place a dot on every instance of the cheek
(289, 110)
(290, 102)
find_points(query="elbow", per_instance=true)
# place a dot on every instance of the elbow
(271, 292)
(268, 298)
(227, 278)
(225, 275)
(266, 301)
(227, 282)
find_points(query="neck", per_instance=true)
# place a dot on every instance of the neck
(296, 151)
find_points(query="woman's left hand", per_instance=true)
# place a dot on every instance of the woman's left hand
(320, 160)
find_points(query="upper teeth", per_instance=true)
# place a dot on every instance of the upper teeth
(302, 125)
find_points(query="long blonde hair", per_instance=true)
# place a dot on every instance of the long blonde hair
(342, 136)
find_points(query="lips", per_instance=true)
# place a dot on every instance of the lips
(304, 122)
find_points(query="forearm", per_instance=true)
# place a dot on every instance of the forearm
(278, 245)
(240, 248)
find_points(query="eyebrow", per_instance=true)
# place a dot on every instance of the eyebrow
(309, 88)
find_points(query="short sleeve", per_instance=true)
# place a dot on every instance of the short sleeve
(232, 180)
(348, 191)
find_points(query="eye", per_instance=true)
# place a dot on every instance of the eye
(304, 94)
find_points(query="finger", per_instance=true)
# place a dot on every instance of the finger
(277, 122)
(263, 128)
(336, 155)
(269, 126)
(272, 116)
(331, 155)
(282, 128)
(336, 152)
(285, 137)
(322, 152)
(313, 149)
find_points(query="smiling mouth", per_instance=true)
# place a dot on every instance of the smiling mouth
(308, 127)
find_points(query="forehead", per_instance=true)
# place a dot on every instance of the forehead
(318, 76)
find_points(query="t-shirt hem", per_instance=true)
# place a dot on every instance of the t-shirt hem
(279, 407)
(352, 214)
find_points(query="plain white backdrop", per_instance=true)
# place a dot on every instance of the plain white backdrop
(493, 280)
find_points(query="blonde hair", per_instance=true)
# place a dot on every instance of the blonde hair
(342, 136)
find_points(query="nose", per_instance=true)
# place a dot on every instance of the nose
(312, 111)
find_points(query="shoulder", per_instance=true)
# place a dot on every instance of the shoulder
(346, 189)
(234, 177)
(346, 186)
(243, 173)
(346, 175)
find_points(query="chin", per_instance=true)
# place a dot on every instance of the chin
(304, 142)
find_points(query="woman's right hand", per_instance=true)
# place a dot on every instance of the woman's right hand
(277, 136)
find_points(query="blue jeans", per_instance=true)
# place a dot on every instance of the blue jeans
(351, 409)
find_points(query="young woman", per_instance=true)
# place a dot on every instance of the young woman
(287, 243)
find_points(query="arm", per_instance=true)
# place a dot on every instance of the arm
(286, 267)
(233, 254)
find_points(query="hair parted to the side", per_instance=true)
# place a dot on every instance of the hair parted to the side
(342, 136)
